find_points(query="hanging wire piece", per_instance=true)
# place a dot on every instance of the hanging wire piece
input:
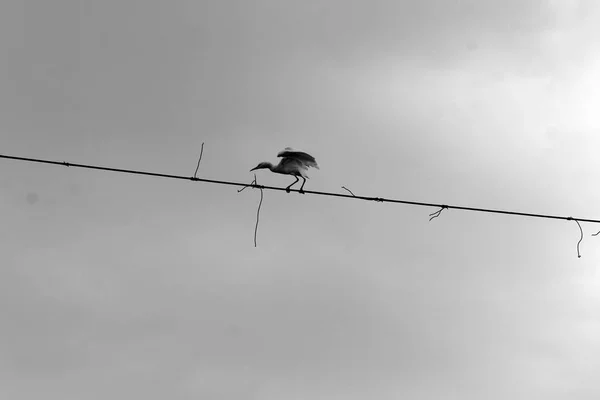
(581, 238)
(257, 212)
(437, 213)
(254, 184)
(596, 234)
(200, 159)
(348, 190)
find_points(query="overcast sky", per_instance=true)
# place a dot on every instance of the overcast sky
(121, 286)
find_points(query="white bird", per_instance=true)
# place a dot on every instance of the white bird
(292, 162)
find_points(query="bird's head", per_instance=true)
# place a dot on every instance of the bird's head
(266, 165)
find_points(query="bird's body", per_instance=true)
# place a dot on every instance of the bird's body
(294, 163)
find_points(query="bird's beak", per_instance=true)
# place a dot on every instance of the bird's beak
(253, 169)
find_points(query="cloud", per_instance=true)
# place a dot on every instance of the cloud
(150, 288)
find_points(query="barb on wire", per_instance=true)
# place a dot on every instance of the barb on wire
(581, 238)
(348, 190)
(251, 184)
(199, 159)
(254, 184)
(437, 213)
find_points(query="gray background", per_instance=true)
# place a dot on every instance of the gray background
(118, 286)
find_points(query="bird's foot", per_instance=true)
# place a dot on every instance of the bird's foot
(301, 191)
(287, 190)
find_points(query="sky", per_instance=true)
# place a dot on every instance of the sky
(122, 286)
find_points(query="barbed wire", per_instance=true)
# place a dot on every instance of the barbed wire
(255, 185)
(313, 192)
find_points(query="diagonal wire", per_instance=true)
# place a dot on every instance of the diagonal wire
(330, 194)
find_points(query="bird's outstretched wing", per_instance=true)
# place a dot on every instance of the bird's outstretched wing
(301, 156)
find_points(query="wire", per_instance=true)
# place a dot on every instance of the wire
(200, 159)
(348, 190)
(256, 186)
(580, 239)
(437, 213)
(257, 213)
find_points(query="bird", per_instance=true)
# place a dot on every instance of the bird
(293, 162)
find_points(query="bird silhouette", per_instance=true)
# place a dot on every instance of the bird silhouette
(293, 162)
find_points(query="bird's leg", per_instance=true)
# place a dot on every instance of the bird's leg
(302, 187)
(287, 189)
